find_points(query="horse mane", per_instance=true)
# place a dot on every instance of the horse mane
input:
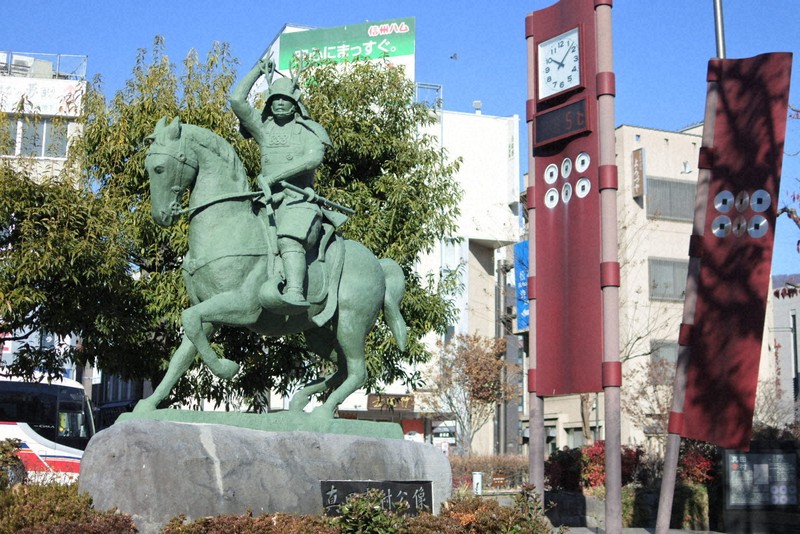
(218, 146)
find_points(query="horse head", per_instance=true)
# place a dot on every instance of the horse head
(171, 169)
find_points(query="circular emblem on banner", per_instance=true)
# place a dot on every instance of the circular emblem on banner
(551, 198)
(582, 162)
(582, 187)
(723, 201)
(551, 173)
(721, 226)
(566, 168)
(760, 201)
(758, 226)
(566, 193)
(742, 201)
(739, 226)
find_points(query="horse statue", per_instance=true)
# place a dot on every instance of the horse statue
(231, 255)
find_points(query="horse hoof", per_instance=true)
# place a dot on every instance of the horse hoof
(225, 369)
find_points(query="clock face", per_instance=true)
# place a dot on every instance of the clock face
(559, 63)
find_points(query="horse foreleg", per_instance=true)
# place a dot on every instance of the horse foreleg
(199, 331)
(180, 362)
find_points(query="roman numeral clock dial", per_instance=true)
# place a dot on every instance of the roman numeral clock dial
(559, 65)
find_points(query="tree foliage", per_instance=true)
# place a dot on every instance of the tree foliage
(647, 397)
(470, 378)
(81, 254)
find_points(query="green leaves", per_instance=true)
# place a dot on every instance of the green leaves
(399, 181)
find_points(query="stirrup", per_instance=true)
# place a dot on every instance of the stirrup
(295, 301)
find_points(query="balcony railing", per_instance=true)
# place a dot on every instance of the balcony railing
(48, 66)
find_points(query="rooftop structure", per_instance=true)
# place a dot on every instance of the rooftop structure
(46, 66)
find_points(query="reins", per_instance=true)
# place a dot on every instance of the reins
(232, 196)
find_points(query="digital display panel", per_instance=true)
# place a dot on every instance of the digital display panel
(561, 122)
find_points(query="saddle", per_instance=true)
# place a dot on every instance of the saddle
(325, 264)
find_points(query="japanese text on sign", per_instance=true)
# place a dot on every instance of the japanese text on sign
(417, 494)
(368, 40)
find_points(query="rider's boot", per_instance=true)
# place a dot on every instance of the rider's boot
(294, 266)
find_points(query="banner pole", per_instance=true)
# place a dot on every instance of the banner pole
(719, 26)
(610, 272)
(536, 435)
(674, 427)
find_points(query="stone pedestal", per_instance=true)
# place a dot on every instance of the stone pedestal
(155, 470)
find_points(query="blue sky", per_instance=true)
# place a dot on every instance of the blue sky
(661, 50)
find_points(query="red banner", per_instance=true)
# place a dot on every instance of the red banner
(735, 250)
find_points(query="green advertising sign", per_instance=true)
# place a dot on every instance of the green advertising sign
(373, 40)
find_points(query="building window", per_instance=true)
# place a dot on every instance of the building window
(41, 137)
(667, 279)
(666, 351)
(576, 439)
(670, 199)
(664, 355)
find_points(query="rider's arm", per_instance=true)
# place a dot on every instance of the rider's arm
(248, 116)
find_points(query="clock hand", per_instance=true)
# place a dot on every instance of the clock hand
(563, 59)
(560, 64)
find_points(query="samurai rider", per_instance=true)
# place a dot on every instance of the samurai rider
(292, 147)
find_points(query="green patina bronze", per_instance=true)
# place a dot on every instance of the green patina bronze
(273, 422)
(267, 260)
(292, 147)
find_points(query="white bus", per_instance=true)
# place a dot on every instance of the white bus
(52, 420)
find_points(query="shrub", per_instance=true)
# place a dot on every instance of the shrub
(476, 515)
(246, 524)
(574, 469)
(562, 470)
(364, 513)
(31, 505)
(60, 509)
(697, 461)
(96, 523)
(427, 523)
(593, 462)
(690, 507)
(514, 467)
(12, 471)
(593, 459)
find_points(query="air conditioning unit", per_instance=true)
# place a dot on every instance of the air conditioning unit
(21, 65)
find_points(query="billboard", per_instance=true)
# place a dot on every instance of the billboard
(46, 96)
(392, 40)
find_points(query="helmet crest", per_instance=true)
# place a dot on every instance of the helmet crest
(286, 87)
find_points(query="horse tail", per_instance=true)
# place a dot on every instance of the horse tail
(395, 287)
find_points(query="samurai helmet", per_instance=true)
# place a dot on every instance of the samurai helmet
(283, 87)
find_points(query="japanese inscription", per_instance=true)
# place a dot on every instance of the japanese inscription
(418, 494)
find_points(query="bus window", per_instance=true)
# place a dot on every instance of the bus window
(57, 413)
(34, 409)
(70, 420)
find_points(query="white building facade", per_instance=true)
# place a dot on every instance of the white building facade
(40, 100)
